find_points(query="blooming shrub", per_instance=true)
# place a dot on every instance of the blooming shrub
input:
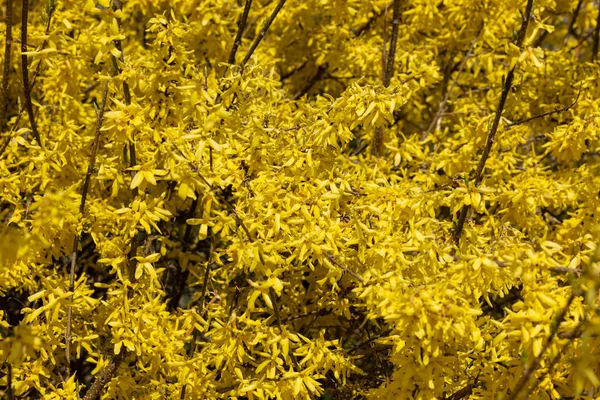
(300, 199)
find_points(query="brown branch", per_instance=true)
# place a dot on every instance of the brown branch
(334, 261)
(554, 360)
(263, 32)
(6, 71)
(391, 59)
(542, 115)
(50, 12)
(84, 193)
(444, 101)
(596, 37)
(529, 370)
(462, 393)
(573, 21)
(317, 77)
(492, 132)
(388, 73)
(202, 300)
(9, 384)
(319, 312)
(238, 37)
(370, 22)
(25, 71)
(132, 154)
(565, 270)
(105, 376)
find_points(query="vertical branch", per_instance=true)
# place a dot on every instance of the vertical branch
(50, 12)
(442, 107)
(388, 73)
(84, 192)
(263, 32)
(238, 37)
(25, 71)
(389, 69)
(202, 300)
(132, 153)
(6, 70)
(9, 384)
(596, 37)
(492, 132)
(570, 30)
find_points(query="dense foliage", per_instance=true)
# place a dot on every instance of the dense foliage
(326, 199)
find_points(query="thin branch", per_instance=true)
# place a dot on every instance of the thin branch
(25, 71)
(262, 33)
(9, 384)
(577, 333)
(442, 107)
(596, 38)
(212, 188)
(573, 21)
(464, 392)
(388, 73)
(8, 20)
(84, 192)
(529, 370)
(50, 12)
(542, 115)
(334, 261)
(319, 312)
(317, 77)
(132, 154)
(104, 377)
(492, 133)
(369, 341)
(566, 270)
(238, 37)
(299, 67)
(202, 310)
(391, 58)
(371, 21)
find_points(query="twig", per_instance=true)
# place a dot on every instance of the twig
(333, 260)
(462, 393)
(262, 33)
(84, 192)
(132, 154)
(202, 310)
(556, 358)
(442, 107)
(542, 115)
(369, 341)
(370, 22)
(36, 73)
(9, 384)
(492, 133)
(306, 314)
(529, 370)
(105, 376)
(389, 72)
(573, 21)
(317, 77)
(211, 187)
(25, 71)
(596, 37)
(566, 270)
(238, 37)
(6, 71)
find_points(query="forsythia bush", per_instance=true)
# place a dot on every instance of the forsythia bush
(316, 199)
